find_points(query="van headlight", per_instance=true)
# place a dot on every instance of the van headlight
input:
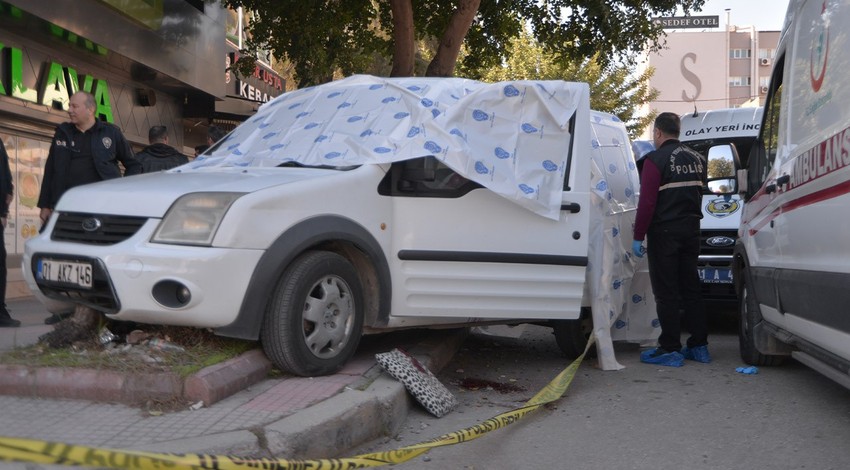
(194, 218)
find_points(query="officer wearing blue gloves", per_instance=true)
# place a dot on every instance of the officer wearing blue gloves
(668, 217)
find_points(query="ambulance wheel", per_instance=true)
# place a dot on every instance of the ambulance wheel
(572, 335)
(749, 317)
(314, 321)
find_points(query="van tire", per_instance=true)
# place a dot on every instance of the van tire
(749, 316)
(572, 335)
(318, 343)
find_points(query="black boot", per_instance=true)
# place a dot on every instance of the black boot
(6, 320)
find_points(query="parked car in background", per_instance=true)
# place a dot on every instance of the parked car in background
(725, 137)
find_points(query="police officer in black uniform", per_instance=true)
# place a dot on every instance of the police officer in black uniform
(85, 150)
(668, 216)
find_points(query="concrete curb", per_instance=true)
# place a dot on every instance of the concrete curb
(209, 385)
(376, 406)
(217, 382)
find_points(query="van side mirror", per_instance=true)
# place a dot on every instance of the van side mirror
(721, 169)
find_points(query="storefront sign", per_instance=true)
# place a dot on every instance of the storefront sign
(58, 83)
(262, 86)
(681, 22)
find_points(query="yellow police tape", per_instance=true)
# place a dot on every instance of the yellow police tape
(57, 453)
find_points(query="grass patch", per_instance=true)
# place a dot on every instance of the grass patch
(197, 349)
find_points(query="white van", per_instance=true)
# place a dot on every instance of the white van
(361, 206)
(792, 259)
(724, 136)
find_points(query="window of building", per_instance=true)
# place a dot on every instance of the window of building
(764, 81)
(236, 24)
(767, 53)
(233, 27)
(739, 54)
(739, 81)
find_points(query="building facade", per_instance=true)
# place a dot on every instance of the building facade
(147, 62)
(704, 70)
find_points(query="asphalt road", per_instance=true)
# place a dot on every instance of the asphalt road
(700, 416)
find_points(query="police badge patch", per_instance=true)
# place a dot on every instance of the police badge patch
(107, 142)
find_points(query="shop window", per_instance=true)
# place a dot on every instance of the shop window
(26, 162)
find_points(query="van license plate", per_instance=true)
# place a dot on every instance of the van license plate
(65, 272)
(715, 275)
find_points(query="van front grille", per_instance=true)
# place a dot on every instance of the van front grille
(706, 248)
(95, 229)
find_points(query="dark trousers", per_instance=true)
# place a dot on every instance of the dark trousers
(3, 312)
(673, 249)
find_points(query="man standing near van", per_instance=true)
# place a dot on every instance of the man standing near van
(84, 150)
(159, 155)
(668, 216)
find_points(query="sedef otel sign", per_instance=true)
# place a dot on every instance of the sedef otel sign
(57, 82)
(681, 22)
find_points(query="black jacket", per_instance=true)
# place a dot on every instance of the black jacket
(157, 157)
(6, 186)
(683, 175)
(108, 147)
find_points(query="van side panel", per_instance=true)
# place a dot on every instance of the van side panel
(807, 217)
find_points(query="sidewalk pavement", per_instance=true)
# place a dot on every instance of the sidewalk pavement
(277, 417)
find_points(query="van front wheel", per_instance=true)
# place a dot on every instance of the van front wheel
(314, 321)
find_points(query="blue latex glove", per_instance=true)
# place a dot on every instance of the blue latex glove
(637, 248)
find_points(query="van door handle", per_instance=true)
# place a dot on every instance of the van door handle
(783, 180)
(571, 207)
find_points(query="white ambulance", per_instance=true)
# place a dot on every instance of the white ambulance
(792, 259)
(724, 137)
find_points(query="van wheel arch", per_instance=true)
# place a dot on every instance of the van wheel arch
(314, 320)
(329, 233)
(749, 315)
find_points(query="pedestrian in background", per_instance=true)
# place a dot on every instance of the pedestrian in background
(159, 155)
(84, 150)
(214, 134)
(6, 195)
(668, 216)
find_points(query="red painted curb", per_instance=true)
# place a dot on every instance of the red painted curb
(209, 385)
(219, 381)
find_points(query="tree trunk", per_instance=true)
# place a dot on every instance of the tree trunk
(444, 61)
(86, 318)
(404, 46)
(82, 326)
